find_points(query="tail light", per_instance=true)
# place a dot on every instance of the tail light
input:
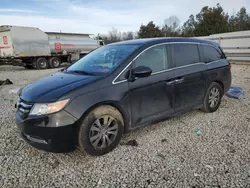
(230, 66)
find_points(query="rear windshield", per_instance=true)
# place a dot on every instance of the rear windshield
(103, 60)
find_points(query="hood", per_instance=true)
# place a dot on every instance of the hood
(52, 87)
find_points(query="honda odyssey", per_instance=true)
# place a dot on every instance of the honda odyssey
(118, 88)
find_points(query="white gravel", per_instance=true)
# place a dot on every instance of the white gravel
(169, 154)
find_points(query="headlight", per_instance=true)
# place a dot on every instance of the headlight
(48, 108)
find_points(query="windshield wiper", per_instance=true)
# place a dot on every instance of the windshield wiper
(82, 72)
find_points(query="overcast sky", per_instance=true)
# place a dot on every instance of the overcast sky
(100, 16)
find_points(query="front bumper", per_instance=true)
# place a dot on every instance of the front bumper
(53, 133)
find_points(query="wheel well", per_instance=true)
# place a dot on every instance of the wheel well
(221, 84)
(113, 104)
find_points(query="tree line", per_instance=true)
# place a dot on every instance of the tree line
(210, 20)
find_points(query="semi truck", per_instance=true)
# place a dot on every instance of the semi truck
(41, 50)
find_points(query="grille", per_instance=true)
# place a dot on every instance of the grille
(23, 108)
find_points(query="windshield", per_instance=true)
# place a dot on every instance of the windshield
(102, 60)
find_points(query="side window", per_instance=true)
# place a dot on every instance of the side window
(211, 54)
(155, 58)
(122, 77)
(185, 54)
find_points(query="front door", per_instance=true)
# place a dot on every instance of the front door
(152, 97)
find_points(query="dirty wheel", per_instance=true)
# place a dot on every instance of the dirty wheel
(41, 63)
(54, 62)
(212, 98)
(101, 130)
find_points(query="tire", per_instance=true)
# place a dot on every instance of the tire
(209, 97)
(88, 132)
(41, 63)
(54, 62)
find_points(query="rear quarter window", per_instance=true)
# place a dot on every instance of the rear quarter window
(211, 54)
(185, 54)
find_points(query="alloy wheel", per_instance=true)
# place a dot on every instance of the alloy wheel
(214, 97)
(103, 131)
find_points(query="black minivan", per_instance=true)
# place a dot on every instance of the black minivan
(120, 87)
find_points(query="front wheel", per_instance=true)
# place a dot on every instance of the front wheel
(40, 63)
(212, 98)
(101, 130)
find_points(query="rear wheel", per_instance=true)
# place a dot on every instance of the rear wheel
(54, 62)
(212, 98)
(40, 63)
(101, 130)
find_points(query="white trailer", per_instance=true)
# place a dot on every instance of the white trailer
(38, 49)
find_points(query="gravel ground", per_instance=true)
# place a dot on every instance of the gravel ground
(169, 154)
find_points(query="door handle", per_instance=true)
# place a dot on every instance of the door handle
(175, 81)
(171, 82)
(178, 81)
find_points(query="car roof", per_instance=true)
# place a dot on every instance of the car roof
(146, 41)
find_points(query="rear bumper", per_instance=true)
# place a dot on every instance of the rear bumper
(52, 139)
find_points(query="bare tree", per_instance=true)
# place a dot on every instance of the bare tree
(172, 22)
(135, 34)
(114, 35)
(130, 35)
(171, 27)
(127, 35)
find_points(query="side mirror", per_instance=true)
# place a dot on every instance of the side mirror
(142, 71)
